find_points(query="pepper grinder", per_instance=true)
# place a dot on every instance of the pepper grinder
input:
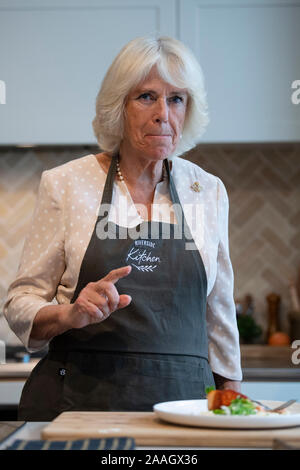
(273, 310)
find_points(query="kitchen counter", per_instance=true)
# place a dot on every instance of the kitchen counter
(12, 379)
(17, 370)
(33, 431)
(151, 432)
(269, 363)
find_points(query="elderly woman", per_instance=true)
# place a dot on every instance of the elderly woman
(133, 245)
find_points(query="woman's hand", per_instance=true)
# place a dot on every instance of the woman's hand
(97, 300)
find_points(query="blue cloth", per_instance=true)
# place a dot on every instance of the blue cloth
(109, 443)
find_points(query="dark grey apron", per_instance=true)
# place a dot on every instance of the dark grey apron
(153, 350)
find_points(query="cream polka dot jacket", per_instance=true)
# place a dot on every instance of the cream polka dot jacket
(64, 217)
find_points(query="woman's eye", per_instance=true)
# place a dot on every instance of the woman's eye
(145, 96)
(177, 99)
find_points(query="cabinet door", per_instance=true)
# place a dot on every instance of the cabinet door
(272, 390)
(53, 57)
(10, 391)
(250, 55)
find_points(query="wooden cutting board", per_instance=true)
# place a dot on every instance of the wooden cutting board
(148, 430)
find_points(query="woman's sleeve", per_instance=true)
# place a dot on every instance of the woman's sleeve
(223, 335)
(41, 266)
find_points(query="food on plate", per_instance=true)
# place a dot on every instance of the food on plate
(230, 402)
(218, 398)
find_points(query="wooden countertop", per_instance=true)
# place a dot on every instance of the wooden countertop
(148, 430)
(37, 430)
(17, 370)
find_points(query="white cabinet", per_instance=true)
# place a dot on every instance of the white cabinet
(249, 51)
(54, 54)
(281, 391)
(10, 391)
(53, 57)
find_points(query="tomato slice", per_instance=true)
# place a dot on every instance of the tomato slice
(214, 399)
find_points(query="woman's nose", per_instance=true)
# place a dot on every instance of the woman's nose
(161, 110)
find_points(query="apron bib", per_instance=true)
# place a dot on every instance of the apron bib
(153, 350)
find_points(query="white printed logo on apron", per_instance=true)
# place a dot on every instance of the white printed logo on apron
(140, 256)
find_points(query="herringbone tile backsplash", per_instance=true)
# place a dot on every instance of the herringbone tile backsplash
(263, 184)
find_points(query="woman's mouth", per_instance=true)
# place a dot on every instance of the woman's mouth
(159, 136)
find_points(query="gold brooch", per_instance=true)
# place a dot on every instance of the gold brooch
(196, 187)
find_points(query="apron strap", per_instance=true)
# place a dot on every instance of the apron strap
(179, 212)
(109, 183)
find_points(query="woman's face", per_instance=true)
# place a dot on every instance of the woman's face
(154, 117)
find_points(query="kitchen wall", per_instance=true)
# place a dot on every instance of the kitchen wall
(263, 184)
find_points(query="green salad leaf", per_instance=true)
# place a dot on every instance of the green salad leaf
(239, 406)
(209, 389)
(219, 411)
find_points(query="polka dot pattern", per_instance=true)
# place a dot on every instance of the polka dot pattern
(64, 217)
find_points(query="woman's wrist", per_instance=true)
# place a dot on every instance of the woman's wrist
(223, 383)
(50, 321)
(63, 317)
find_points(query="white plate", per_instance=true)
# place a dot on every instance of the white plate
(192, 413)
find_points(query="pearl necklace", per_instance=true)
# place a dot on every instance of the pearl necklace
(121, 177)
(119, 171)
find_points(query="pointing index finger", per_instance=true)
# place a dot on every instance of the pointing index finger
(116, 274)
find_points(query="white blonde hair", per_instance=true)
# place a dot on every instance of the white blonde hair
(176, 65)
